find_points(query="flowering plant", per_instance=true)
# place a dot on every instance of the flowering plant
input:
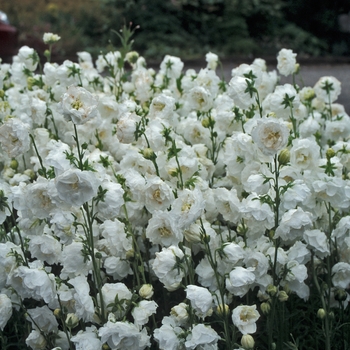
(170, 209)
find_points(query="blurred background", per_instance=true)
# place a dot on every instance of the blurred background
(185, 28)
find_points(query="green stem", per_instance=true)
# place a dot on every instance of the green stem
(88, 218)
(80, 154)
(326, 320)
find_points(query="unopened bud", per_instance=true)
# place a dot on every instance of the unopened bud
(247, 341)
(206, 122)
(2, 93)
(193, 234)
(30, 83)
(340, 294)
(98, 255)
(148, 153)
(265, 308)
(282, 296)
(57, 313)
(146, 291)
(284, 157)
(321, 313)
(132, 57)
(14, 164)
(130, 254)
(330, 153)
(72, 320)
(271, 290)
(222, 309)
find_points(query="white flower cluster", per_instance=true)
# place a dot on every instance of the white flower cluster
(140, 209)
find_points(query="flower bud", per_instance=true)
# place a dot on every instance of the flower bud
(340, 294)
(222, 309)
(105, 347)
(72, 320)
(284, 156)
(148, 153)
(271, 290)
(2, 93)
(130, 254)
(14, 164)
(265, 308)
(132, 57)
(330, 153)
(193, 234)
(30, 83)
(321, 313)
(282, 296)
(98, 255)
(57, 313)
(146, 291)
(172, 172)
(247, 341)
(297, 68)
(30, 173)
(206, 122)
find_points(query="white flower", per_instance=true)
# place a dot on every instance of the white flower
(113, 291)
(171, 66)
(142, 312)
(200, 99)
(237, 91)
(79, 105)
(332, 84)
(126, 127)
(317, 241)
(304, 154)
(212, 60)
(274, 102)
(201, 300)
(167, 335)
(164, 267)
(76, 187)
(341, 275)
(109, 207)
(87, 339)
(73, 261)
(36, 340)
(162, 107)
(14, 137)
(123, 335)
(29, 57)
(158, 195)
(202, 335)
(45, 248)
(5, 310)
(180, 313)
(50, 38)
(34, 283)
(244, 317)
(43, 319)
(239, 281)
(117, 268)
(270, 135)
(118, 242)
(292, 224)
(84, 304)
(188, 207)
(163, 228)
(286, 62)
